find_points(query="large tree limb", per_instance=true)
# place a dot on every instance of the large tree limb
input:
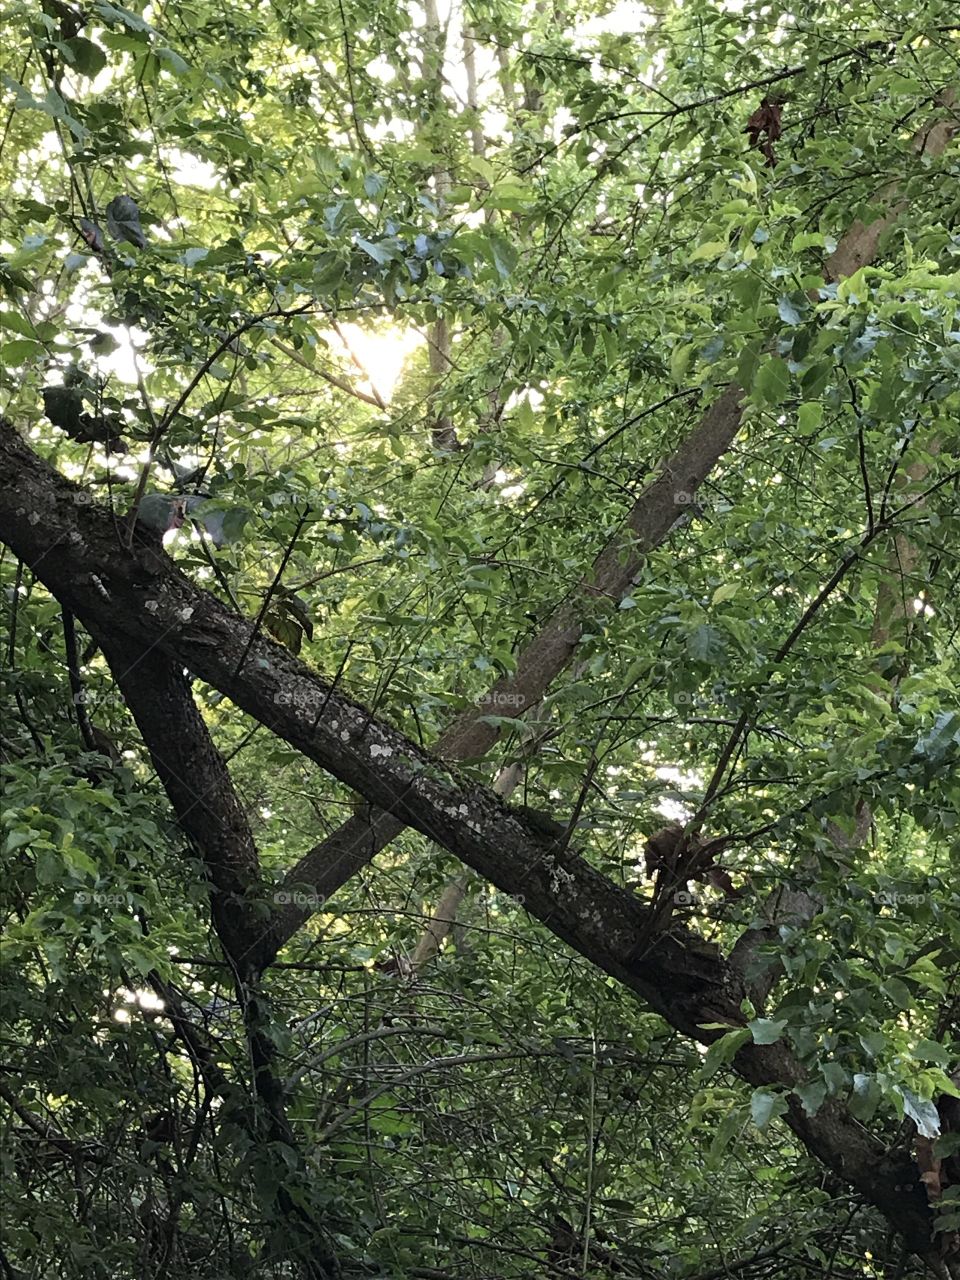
(75, 549)
(140, 595)
(195, 777)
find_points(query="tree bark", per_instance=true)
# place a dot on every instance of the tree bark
(138, 593)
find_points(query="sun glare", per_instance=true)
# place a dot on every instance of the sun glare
(378, 355)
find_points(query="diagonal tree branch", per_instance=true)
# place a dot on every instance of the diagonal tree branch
(348, 849)
(74, 549)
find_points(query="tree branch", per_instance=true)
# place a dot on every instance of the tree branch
(74, 550)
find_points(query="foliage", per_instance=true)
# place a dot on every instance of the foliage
(201, 200)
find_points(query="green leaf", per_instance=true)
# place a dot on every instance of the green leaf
(898, 992)
(923, 1113)
(811, 1096)
(103, 344)
(706, 644)
(948, 1144)
(85, 56)
(710, 249)
(945, 732)
(874, 1042)
(18, 352)
(285, 629)
(328, 272)
(143, 960)
(766, 1030)
(725, 592)
(866, 1097)
(809, 418)
(925, 972)
(713, 348)
(509, 195)
(51, 104)
(748, 364)
(611, 346)
(726, 1131)
(117, 13)
(374, 185)
(932, 1051)
(724, 1050)
(806, 240)
(77, 860)
(505, 255)
(171, 60)
(16, 323)
(772, 382)
(680, 359)
(787, 311)
(381, 253)
(765, 1105)
(18, 839)
(816, 380)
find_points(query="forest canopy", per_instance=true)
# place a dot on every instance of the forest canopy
(480, 723)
